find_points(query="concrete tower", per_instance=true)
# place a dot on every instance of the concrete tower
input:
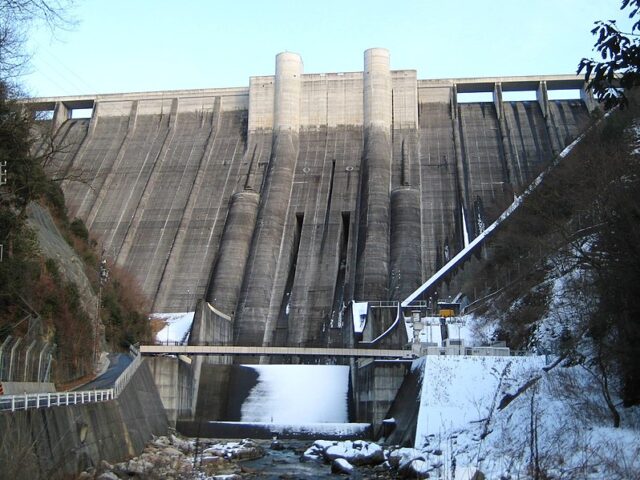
(372, 269)
(257, 311)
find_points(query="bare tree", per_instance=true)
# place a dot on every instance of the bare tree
(17, 17)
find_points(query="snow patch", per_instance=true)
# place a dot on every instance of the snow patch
(459, 390)
(359, 314)
(298, 394)
(177, 327)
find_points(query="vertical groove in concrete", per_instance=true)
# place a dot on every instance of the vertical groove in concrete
(338, 144)
(110, 162)
(114, 213)
(122, 253)
(209, 123)
(92, 160)
(107, 186)
(254, 318)
(69, 144)
(372, 270)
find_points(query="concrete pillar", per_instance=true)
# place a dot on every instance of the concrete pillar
(286, 115)
(406, 243)
(543, 98)
(462, 183)
(505, 135)
(497, 100)
(587, 97)
(226, 278)
(377, 88)
(60, 115)
(256, 316)
(372, 269)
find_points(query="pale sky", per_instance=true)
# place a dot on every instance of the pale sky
(145, 45)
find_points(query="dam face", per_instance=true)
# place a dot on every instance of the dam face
(281, 202)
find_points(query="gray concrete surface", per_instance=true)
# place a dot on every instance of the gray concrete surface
(60, 442)
(323, 152)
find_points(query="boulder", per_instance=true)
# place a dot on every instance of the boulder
(172, 452)
(107, 476)
(340, 465)
(356, 453)
(417, 468)
(404, 455)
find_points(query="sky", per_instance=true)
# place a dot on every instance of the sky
(144, 45)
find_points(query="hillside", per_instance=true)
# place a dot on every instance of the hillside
(51, 278)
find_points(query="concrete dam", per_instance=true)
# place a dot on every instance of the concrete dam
(281, 202)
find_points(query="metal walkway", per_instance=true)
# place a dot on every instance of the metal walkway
(238, 350)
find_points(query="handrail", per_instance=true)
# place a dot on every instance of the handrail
(57, 399)
(127, 374)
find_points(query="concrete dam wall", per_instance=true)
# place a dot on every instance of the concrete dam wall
(280, 202)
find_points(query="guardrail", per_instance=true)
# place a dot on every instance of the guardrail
(60, 399)
(128, 372)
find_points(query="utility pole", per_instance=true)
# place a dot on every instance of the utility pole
(3, 181)
(103, 277)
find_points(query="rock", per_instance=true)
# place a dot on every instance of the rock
(232, 476)
(417, 468)
(277, 445)
(104, 465)
(245, 450)
(311, 458)
(172, 452)
(357, 453)
(383, 467)
(180, 444)
(161, 442)
(138, 467)
(85, 476)
(107, 476)
(212, 460)
(404, 455)
(340, 465)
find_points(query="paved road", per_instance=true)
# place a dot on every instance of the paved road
(117, 363)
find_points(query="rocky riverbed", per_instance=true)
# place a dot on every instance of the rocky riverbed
(177, 458)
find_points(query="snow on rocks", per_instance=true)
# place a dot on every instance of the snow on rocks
(243, 450)
(416, 468)
(173, 457)
(340, 465)
(356, 452)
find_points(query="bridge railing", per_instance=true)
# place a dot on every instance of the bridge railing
(11, 403)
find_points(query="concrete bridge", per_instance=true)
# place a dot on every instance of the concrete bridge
(272, 351)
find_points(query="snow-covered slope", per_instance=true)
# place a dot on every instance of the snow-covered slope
(506, 416)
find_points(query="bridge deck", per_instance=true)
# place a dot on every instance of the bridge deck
(239, 350)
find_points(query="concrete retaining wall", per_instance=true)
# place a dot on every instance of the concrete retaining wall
(59, 442)
(377, 384)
